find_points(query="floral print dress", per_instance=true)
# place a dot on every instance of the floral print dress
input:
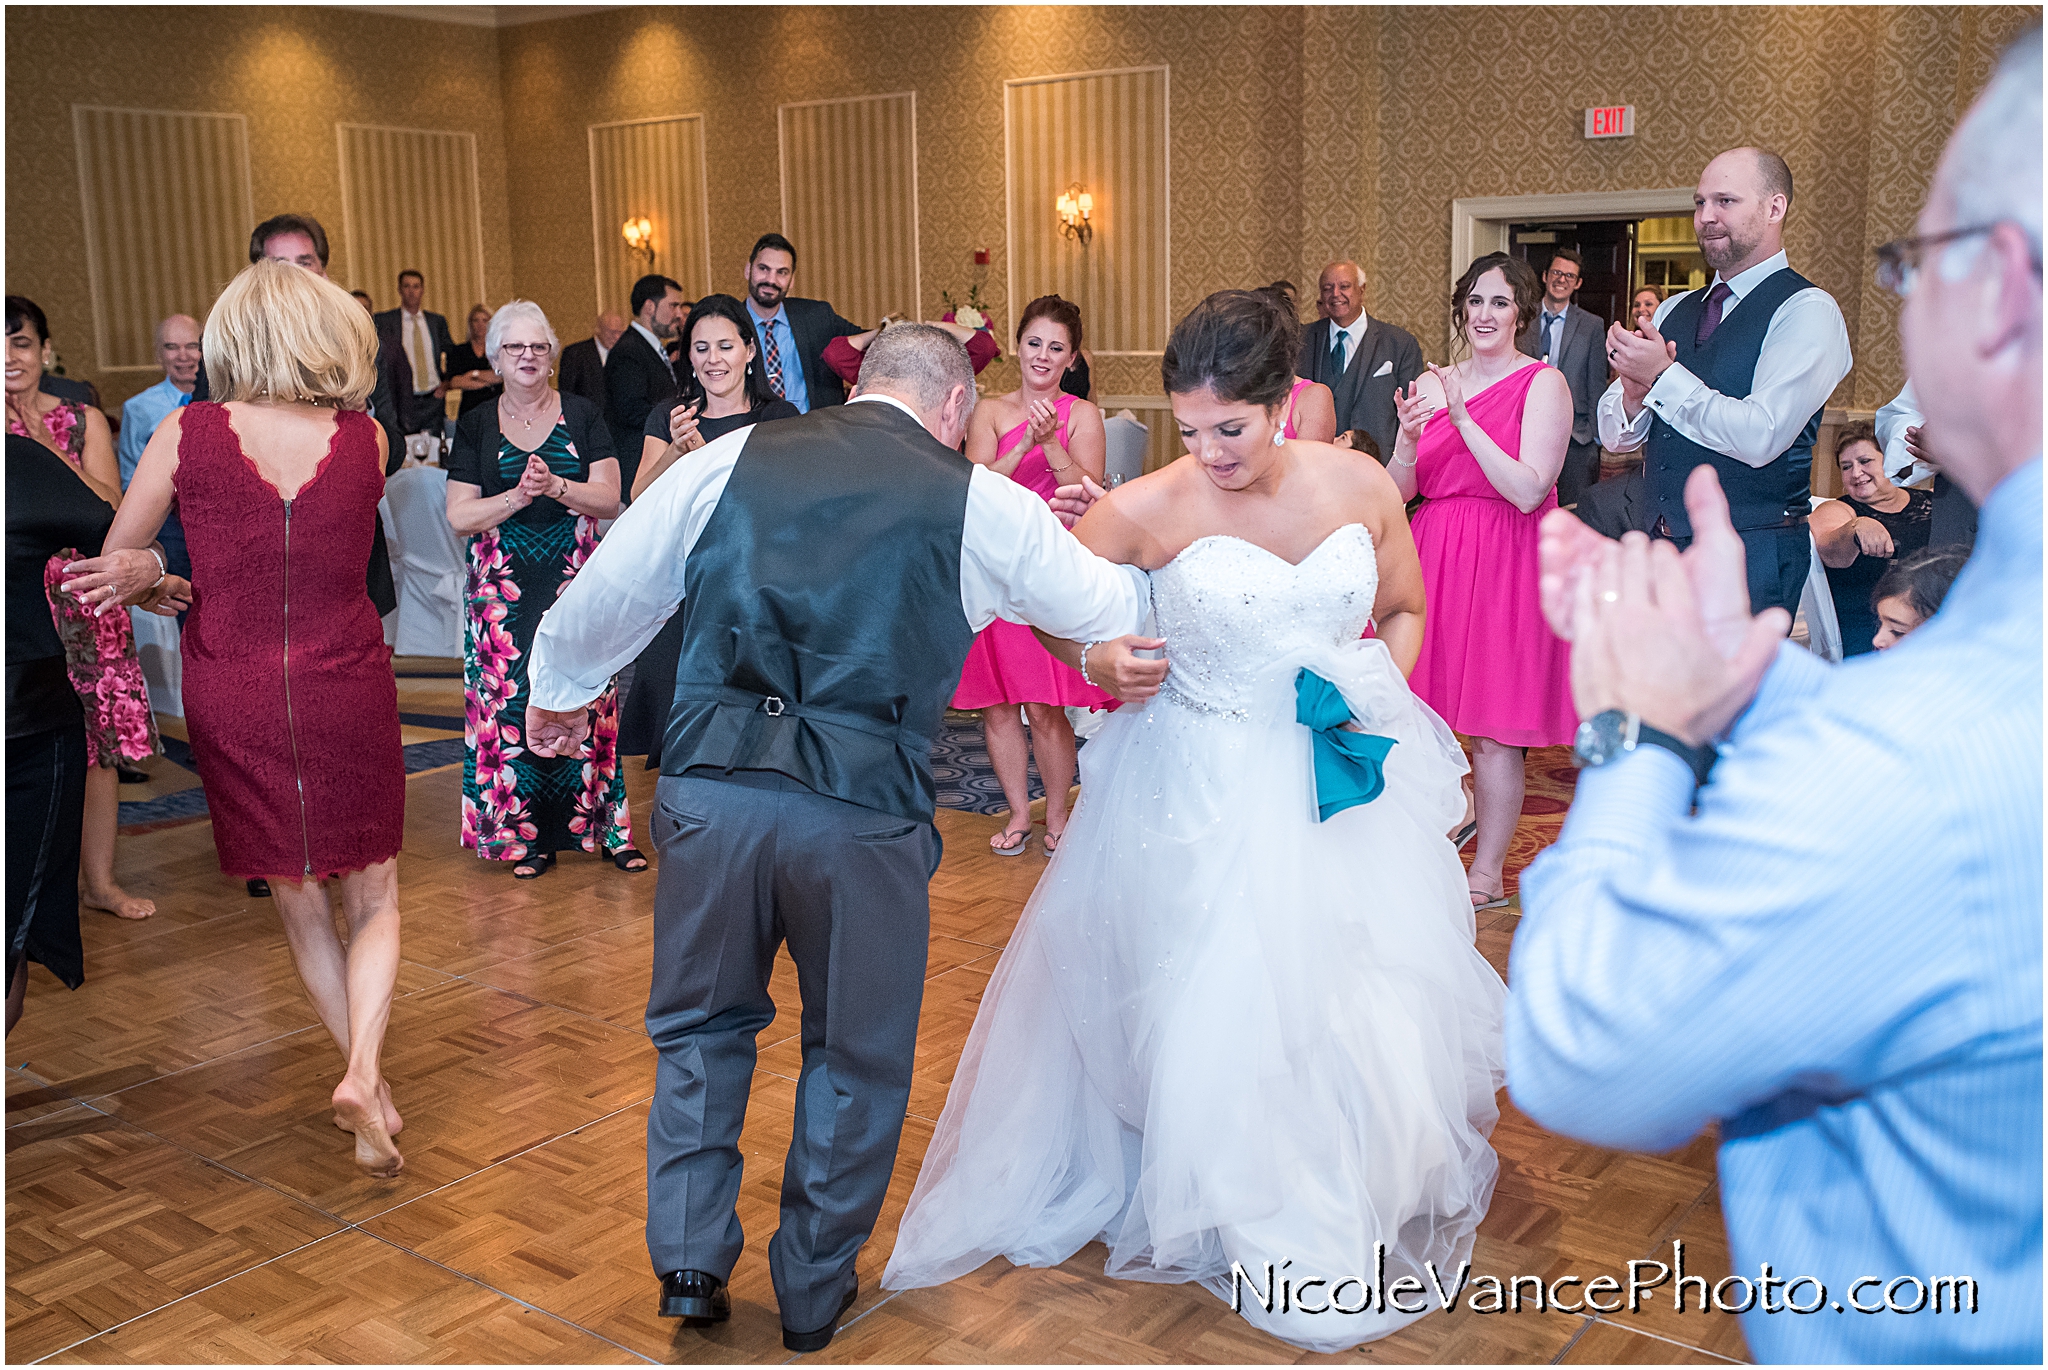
(99, 653)
(516, 804)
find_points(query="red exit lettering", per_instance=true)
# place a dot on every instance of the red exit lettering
(1610, 121)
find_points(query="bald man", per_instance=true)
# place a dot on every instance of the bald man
(177, 352)
(1363, 361)
(1734, 376)
(583, 362)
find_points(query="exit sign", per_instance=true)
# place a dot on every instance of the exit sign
(1611, 121)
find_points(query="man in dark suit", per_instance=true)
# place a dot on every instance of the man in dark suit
(583, 362)
(423, 337)
(1574, 341)
(638, 374)
(1363, 361)
(791, 333)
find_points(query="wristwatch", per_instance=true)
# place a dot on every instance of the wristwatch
(1613, 733)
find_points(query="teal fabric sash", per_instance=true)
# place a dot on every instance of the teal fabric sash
(1348, 764)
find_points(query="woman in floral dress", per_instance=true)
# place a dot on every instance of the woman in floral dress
(529, 478)
(99, 651)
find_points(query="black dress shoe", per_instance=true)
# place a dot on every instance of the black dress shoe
(696, 1295)
(822, 1338)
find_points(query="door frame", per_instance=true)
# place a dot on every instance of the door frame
(1479, 224)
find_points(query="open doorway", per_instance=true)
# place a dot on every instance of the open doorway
(1618, 257)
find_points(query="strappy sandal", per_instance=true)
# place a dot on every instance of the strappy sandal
(1480, 902)
(1012, 848)
(624, 857)
(533, 867)
(1052, 840)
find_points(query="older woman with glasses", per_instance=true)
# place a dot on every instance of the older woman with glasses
(528, 480)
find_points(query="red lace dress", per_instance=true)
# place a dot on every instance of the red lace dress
(99, 653)
(289, 695)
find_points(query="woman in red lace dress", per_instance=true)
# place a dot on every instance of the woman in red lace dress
(289, 694)
(99, 653)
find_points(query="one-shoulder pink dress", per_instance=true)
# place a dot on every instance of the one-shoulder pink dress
(1490, 665)
(1006, 665)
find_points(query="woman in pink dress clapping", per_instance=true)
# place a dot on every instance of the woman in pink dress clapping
(1483, 440)
(1042, 438)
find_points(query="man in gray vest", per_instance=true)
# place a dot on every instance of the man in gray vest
(833, 570)
(1735, 376)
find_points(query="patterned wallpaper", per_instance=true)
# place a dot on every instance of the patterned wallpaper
(294, 72)
(849, 200)
(410, 202)
(651, 169)
(1298, 133)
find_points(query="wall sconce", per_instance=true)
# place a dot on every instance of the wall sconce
(1075, 207)
(639, 236)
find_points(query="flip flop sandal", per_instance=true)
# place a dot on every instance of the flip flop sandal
(1052, 841)
(1015, 848)
(534, 867)
(1463, 836)
(1480, 903)
(625, 855)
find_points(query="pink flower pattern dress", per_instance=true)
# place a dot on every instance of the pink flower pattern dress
(99, 653)
(516, 804)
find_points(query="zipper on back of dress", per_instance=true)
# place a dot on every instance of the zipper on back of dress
(290, 725)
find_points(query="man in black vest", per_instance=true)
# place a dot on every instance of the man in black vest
(833, 570)
(1734, 376)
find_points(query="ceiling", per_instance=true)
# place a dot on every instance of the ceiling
(480, 16)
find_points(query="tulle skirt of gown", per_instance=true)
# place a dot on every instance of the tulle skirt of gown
(1226, 1033)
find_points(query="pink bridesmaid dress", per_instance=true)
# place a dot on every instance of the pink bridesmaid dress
(1006, 665)
(1490, 665)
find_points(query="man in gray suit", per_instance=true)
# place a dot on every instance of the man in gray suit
(1572, 340)
(1363, 361)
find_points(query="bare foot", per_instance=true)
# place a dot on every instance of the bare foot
(393, 1124)
(117, 901)
(360, 1111)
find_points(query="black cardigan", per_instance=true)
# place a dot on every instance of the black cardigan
(477, 437)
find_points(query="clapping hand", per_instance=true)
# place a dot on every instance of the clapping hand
(682, 428)
(536, 480)
(1638, 358)
(1916, 448)
(1044, 418)
(1116, 667)
(1454, 394)
(1413, 408)
(1070, 502)
(555, 734)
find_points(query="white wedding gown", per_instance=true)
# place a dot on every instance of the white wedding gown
(1222, 1031)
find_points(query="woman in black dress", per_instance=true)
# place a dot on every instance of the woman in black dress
(1861, 534)
(724, 390)
(528, 482)
(469, 370)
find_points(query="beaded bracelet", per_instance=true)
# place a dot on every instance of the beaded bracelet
(1086, 648)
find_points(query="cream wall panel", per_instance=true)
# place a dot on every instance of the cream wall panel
(167, 219)
(849, 201)
(1107, 130)
(409, 199)
(651, 169)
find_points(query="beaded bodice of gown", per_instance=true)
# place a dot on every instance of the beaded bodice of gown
(1229, 608)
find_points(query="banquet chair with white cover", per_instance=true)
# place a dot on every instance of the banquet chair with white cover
(426, 561)
(1124, 442)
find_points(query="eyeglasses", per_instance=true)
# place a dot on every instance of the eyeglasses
(1563, 276)
(1898, 261)
(539, 349)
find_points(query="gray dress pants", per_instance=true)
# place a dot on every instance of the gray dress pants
(749, 861)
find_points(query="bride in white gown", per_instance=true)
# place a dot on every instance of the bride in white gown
(1225, 1033)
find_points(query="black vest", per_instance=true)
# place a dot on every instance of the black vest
(1758, 496)
(823, 634)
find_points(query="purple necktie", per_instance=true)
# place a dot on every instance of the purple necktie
(1711, 319)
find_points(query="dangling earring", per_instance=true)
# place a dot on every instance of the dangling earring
(1280, 437)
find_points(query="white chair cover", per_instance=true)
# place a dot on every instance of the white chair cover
(426, 561)
(1124, 439)
(163, 669)
(1823, 631)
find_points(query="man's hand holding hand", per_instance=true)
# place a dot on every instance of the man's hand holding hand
(1070, 502)
(556, 734)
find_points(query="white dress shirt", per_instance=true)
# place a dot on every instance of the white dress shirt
(1551, 329)
(1892, 422)
(418, 340)
(1804, 357)
(1017, 562)
(1855, 997)
(1353, 335)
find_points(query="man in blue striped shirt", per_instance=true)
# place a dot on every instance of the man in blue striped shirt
(1857, 1002)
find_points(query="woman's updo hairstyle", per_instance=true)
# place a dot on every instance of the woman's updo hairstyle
(1241, 344)
(1522, 282)
(1065, 313)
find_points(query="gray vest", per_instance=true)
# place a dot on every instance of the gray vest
(823, 633)
(1768, 496)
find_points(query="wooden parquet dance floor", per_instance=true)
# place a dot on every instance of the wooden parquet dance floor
(176, 1191)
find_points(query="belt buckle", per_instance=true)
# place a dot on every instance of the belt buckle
(772, 706)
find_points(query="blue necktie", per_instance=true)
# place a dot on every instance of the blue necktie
(1348, 765)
